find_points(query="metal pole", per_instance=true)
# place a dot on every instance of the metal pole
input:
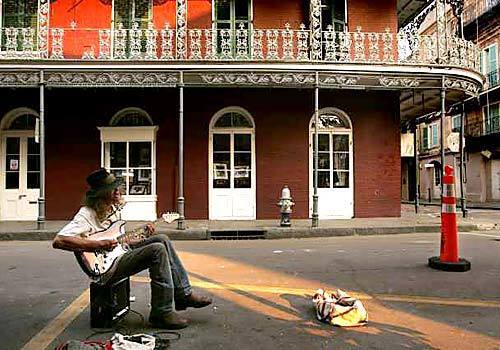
(315, 215)
(462, 163)
(181, 225)
(41, 128)
(443, 112)
(415, 155)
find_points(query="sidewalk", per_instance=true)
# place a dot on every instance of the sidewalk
(427, 220)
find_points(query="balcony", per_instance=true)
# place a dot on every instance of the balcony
(487, 127)
(284, 45)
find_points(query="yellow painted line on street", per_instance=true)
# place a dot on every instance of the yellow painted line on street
(362, 296)
(47, 335)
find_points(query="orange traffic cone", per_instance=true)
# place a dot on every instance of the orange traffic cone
(448, 259)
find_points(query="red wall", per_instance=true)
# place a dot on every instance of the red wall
(282, 147)
(281, 117)
(372, 16)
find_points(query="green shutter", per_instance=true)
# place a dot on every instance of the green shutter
(425, 138)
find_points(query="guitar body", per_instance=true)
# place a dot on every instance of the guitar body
(95, 264)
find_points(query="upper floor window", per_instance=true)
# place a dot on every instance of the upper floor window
(430, 136)
(489, 62)
(334, 13)
(455, 123)
(492, 118)
(19, 13)
(231, 15)
(128, 12)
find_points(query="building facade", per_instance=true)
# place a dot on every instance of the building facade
(211, 107)
(481, 174)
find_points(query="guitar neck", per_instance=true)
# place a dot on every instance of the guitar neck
(137, 231)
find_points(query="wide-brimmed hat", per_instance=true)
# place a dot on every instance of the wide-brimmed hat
(101, 180)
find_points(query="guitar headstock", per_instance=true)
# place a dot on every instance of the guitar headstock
(170, 217)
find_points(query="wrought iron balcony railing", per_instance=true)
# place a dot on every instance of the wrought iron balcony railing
(483, 127)
(282, 45)
(476, 8)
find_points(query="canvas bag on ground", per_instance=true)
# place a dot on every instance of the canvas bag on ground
(339, 309)
(133, 342)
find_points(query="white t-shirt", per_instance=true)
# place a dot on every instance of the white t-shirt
(85, 223)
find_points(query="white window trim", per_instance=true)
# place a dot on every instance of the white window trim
(453, 118)
(430, 143)
(132, 134)
(484, 59)
(212, 131)
(486, 114)
(250, 17)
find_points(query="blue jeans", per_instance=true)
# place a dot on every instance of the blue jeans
(169, 279)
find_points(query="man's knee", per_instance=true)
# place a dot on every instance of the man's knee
(158, 248)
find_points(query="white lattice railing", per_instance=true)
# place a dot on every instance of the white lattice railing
(275, 45)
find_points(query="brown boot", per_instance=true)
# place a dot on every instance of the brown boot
(192, 300)
(169, 320)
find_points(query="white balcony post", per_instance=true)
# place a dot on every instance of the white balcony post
(315, 28)
(41, 128)
(181, 32)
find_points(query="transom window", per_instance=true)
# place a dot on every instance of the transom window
(233, 120)
(23, 121)
(131, 117)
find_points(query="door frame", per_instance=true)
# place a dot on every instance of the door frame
(5, 123)
(336, 131)
(231, 131)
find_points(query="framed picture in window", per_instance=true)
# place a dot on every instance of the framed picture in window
(137, 189)
(220, 171)
(144, 175)
(241, 171)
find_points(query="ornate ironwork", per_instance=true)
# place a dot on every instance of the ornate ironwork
(43, 28)
(458, 84)
(195, 44)
(167, 46)
(242, 42)
(104, 79)
(210, 47)
(19, 79)
(315, 20)
(258, 78)
(57, 44)
(388, 46)
(399, 82)
(151, 42)
(339, 80)
(135, 35)
(272, 44)
(226, 44)
(359, 45)
(257, 52)
(181, 38)
(120, 42)
(330, 50)
(287, 39)
(457, 6)
(104, 45)
(302, 43)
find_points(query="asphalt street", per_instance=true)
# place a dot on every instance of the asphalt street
(262, 294)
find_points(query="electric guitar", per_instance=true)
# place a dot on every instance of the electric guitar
(97, 263)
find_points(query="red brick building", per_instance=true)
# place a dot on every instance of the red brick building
(210, 106)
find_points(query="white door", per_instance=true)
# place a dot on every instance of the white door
(231, 173)
(21, 177)
(335, 166)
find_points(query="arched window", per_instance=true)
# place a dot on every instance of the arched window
(131, 117)
(20, 119)
(233, 120)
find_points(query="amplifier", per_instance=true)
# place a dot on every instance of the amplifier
(109, 303)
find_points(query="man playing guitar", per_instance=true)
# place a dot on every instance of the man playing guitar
(169, 280)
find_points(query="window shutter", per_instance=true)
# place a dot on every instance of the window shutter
(425, 138)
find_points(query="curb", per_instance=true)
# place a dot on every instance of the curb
(269, 232)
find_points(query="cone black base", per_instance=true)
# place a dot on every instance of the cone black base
(461, 266)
